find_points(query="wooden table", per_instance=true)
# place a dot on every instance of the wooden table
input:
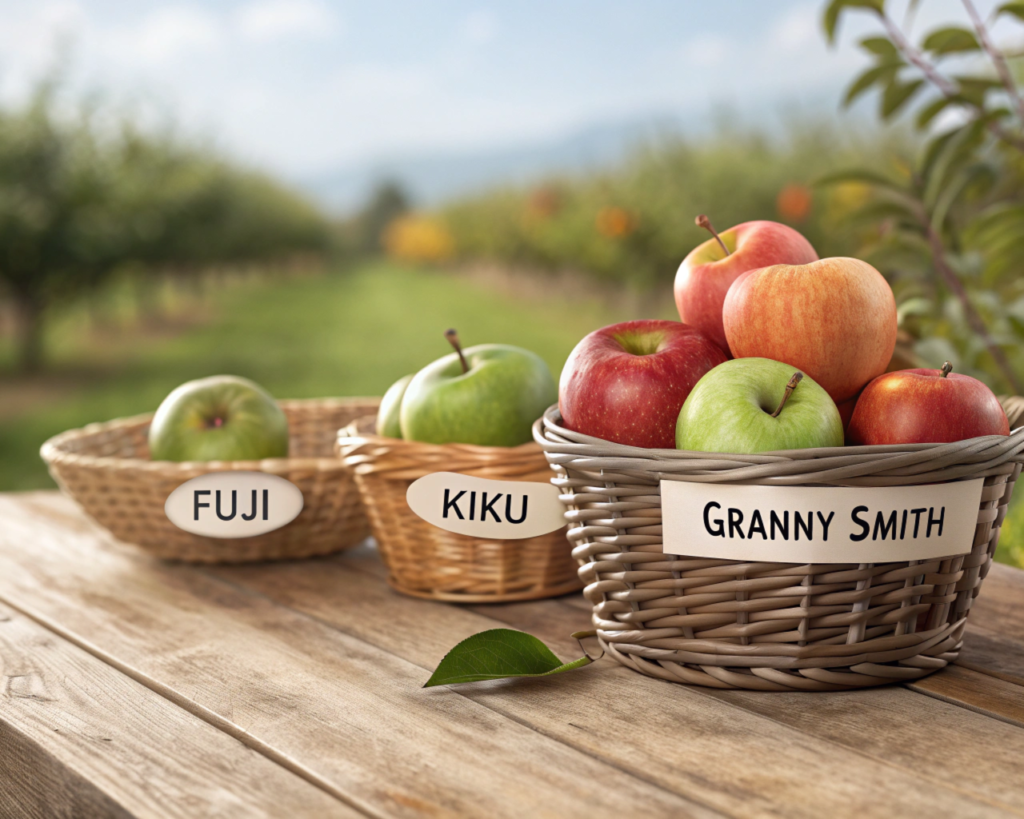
(130, 687)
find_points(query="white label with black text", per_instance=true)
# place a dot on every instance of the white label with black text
(480, 507)
(809, 524)
(234, 504)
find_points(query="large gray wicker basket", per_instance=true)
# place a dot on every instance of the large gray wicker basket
(772, 626)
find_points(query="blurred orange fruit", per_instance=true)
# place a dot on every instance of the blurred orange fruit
(793, 203)
(614, 222)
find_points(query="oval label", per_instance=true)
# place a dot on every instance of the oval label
(234, 504)
(481, 507)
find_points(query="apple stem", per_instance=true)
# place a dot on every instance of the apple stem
(453, 339)
(796, 379)
(947, 368)
(704, 222)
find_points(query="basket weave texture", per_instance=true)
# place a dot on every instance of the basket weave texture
(772, 626)
(106, 469)
(425, 561)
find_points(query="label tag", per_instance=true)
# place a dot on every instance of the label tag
(234, 504)
(480, 507)
(811, 524)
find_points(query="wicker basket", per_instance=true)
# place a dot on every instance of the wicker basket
(425, 561)
(106, 469)
(772, 626)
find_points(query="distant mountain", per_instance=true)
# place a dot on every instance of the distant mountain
(432, 178)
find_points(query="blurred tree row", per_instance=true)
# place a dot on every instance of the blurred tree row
(633, 224)
(82, 197)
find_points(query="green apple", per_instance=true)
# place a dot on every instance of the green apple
(221, 418)
(488, 395)
(751, 405)
(389, 414)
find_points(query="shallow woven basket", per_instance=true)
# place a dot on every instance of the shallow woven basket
(772, 626)
(107, 470)
(425, 561)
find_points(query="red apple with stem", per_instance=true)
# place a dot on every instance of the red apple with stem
(835, 319)
(709, 269)
(627, 382)
(925, 407)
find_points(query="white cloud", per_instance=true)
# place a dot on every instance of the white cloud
(480, 27)
(798, 28)
(164, 35)
(263, 21)
(706, 52)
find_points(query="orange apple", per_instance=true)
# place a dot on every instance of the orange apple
(706, 273)
(835, 319)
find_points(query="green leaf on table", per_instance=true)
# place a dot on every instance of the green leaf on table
(498, 654)
(951, 40)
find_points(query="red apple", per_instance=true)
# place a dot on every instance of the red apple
(706, 273)
(925, 407)
(627, 382)
(835, 319)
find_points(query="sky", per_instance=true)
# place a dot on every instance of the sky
(304, 86)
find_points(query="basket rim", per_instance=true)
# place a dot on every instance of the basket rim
(894, 464)
(352, 435)
(54, 455)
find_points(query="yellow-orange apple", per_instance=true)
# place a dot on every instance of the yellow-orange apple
(709, 269)
(835, 319)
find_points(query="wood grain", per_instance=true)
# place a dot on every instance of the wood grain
(988, 695)
(878, 753)
(79, 739)
(351, 712)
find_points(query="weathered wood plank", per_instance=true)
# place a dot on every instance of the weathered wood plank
(79, 739)
(979, 692)
(734, 753)
(351, 712)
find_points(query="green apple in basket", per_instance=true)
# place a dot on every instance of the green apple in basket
(751, 405)
(221, 418)
(389, 414)
(488, 395)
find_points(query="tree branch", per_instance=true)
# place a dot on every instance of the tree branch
(947, 87)
(972, 315)
(997, 58)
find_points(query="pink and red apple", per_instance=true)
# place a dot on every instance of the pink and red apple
(627, 382)
(925, 407)
(706, 273)
(835, 319)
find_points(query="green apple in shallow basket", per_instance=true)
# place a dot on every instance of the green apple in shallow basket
(221, 418)
(488, 395)
(389, 415)
(752, 405)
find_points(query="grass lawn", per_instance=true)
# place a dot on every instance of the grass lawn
(346, 333)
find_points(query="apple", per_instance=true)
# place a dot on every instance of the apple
(626, 382)
(834, 319)
(751, 405)
(488, 395)
(221, 418)
(389, 414)
(709, 269)
(925, 407)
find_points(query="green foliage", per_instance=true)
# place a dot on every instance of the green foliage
(80, 199)
(945, 229)
(497, 654)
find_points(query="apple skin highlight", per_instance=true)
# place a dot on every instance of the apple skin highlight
(627, 382)
(705, 275)
(925, 407)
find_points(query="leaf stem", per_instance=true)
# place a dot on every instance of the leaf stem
(997, 57)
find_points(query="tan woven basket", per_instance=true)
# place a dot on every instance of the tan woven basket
(772, 626)
(425, 561)
(106, 469)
